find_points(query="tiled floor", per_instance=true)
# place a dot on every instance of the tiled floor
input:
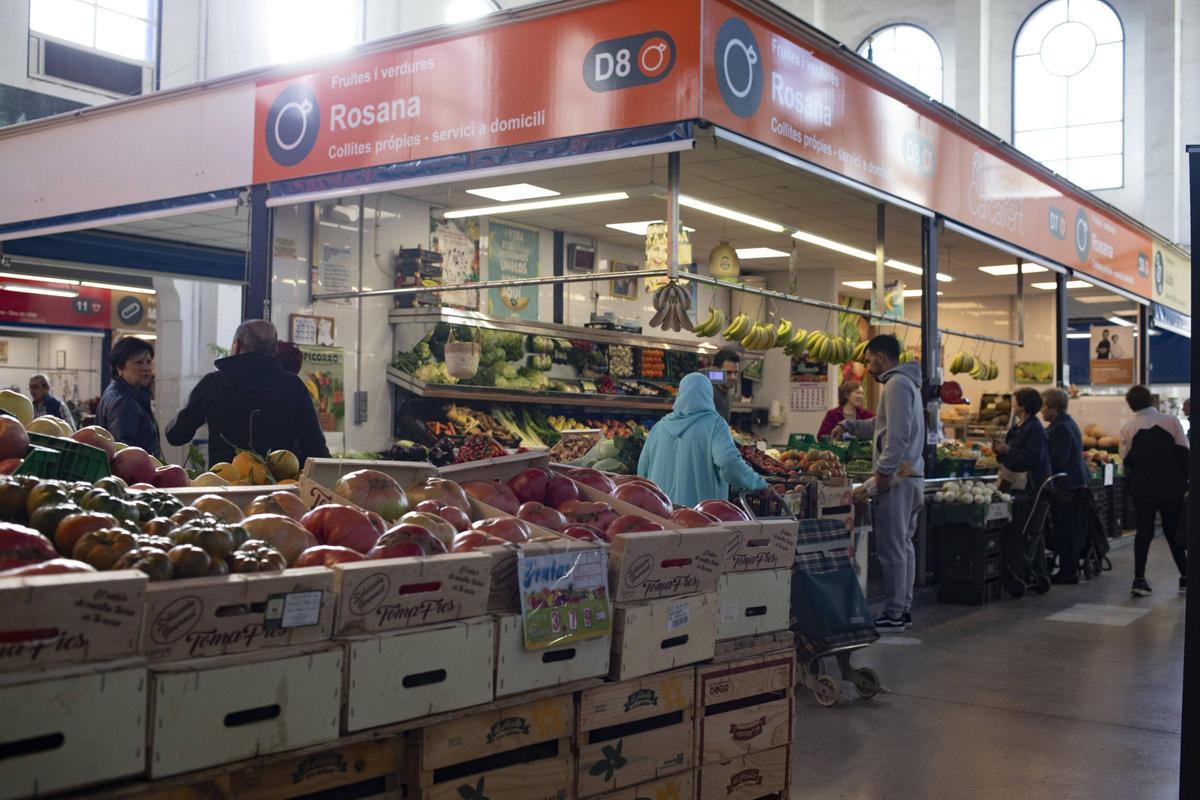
(1073, 694)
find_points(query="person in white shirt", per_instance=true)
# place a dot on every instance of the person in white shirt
(1116, 350)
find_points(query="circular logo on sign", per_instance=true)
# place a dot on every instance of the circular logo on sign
(654, 57)
(292, 125)
(739, 67)
(1083, 235)
(1158, 273)
(130, 310)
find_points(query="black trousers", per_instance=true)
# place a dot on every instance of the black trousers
(1070, 531)
(1146, 511)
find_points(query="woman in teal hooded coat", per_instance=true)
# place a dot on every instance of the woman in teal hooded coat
(690, 453)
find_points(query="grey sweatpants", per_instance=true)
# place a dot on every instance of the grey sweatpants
(895, 522)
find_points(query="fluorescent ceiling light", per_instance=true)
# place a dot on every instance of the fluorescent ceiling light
(916, 293)
(1097, 298)
(513, 192)
(41, 278)
(1011, 269)
(830, 244)
(859, 284)
(639, 228)
(700, 205)
(909, 268)
(1051, 285)
(43, 290)
(760, 252)
(117, 287)
(1124, 323)
(1079, 336)
(533, 205)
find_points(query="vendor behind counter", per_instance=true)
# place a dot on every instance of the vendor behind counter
(849, 409)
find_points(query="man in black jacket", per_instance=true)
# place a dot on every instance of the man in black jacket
(251, 402)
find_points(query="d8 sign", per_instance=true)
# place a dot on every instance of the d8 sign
(629, 61)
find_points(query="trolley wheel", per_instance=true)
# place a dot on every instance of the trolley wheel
(1015, 586)
(826, 691)
(866, 681)
(816, 667)
(1041, 584)
(1089, 568)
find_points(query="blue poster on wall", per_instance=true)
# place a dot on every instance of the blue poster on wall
(512, 254)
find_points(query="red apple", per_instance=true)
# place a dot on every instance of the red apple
(9, 465)
(14, 440)
(467, 541)
(324, 555)
(96, 436)
(530, 485)
(649, 484)
(134, 465)
(645, 498)
(690, 518)
(631, 523)
(598, 514)
(559, 490)
(593, 478)
(722, 510)
(507, 528)
(341, 525)
(405, 540)
(171, 476)
(536, 513)
(587, 533)
(495, 494)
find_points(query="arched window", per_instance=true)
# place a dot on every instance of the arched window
(909, 53)
(1069, 91)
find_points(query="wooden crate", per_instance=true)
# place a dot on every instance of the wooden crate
(750, 603)
(218, 710)
(240, 496)
(237, 614)
(635, 731)
(643, 566)
(765, 544)
(662, 634)
(759, 776)
(676, 787)
(379, 596)
(749, 646)
(52, 620)
(400, 676)
(496, 469)
(519, 751)
(521, 670)
(71, 727)
(744, 707)
(326, 471)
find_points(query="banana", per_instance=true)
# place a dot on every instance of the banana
(738, 328)
(784, 330)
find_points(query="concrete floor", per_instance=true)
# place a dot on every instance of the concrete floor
(1000, 702)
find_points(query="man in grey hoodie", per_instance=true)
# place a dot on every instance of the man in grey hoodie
(898, 435)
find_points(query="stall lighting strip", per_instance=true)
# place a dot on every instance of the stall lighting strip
(830, 244)
(535, 205)
(697, 204)
(42, 290)
(469, 287)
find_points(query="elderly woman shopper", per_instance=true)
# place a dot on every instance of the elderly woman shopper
(849, 408)
(690, 453)
(1023, 450)
(125, 408)
(1069, 509)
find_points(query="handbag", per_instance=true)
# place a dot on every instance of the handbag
(1012, 480)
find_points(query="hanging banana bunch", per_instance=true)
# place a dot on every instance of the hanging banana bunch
(712, 325)
(671, 305)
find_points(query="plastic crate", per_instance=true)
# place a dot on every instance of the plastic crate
(970, 514)
(978, 541)
(954, 468)
(40, 462)
(970, 593)
(77, 461)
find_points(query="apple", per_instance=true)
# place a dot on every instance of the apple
(171, 476)
(134, 465)
(96, 436)
(443, 491)
(507, 528)
(439, 527)
(640, 495)
(593, 478)
(536, 513)
(466, 541)
(559, 490)
(14, 440)
(495, 494)
(722, 510)
(404, 540)
(598, 514)
(690, 518)
(649, 484)
(530, 485)
(587, 533)
(341, 525)
(631, 523)
(325, 555)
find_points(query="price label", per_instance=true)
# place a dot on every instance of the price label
(678, 615)
(293, 610)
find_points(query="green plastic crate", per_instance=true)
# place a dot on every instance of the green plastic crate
(802, 442)
(77, 461)
(40, 462)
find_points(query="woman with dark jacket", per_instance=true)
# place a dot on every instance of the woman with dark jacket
(1069, 509)
(1024, 448)
(124, 408)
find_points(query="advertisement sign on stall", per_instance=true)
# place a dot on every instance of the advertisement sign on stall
(1172, 278)
(1111, 355)
(564, 597)
(323, 370)
(512, 253)
(89, 308)
(457, 240)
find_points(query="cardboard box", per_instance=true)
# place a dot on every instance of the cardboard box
(221, 710)
(643, 566)
(520, 670)
(635, 731)
(753, 777)
(662, 634)
(835, 494)
(237, 614)
(52, 620)
(72, 727)
(750, 603)
(393, 594)
(762, 544)
(744, 707)
(395, 677)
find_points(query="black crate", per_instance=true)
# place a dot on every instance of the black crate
(979, 541)
(969, 593)
(965, 567)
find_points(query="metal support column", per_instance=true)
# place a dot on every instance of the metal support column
(1143, 345)
(256, 297)
(880, 256)
(931, 355)
(672, 214)
(1062, 319)
(1189, 749)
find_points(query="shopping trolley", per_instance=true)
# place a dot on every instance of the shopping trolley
(1027, 566)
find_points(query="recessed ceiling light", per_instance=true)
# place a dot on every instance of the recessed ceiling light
(512, 192)
(1011, 269)
(639, 228)
(533, 205)
(1124, 323)
(1051, 285)
(859, 284)
(760, 252)
(728, 213)
(117, 287)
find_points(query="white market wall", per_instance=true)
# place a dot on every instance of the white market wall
(29, 353)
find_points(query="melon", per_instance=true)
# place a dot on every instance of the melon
(17, 405)
(1107, 443)
(1090, 441)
